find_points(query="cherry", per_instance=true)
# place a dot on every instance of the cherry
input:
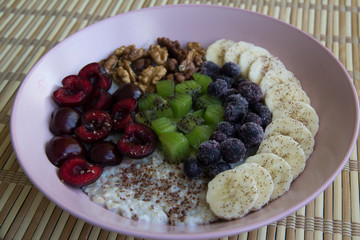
(74, 92)
(64, 120)
(105, 153)
(95, 126)
(60, 148)
(96, 75)
(122, 113)
(127, 90)
(138, 141)
(99, 99)
(78, 173)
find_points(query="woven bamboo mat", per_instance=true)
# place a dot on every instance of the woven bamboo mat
(28, 29)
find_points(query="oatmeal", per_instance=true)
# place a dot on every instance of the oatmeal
(152, 190)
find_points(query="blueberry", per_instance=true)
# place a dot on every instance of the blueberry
(209, 152)
(253, 117)
(263, 111)
(210, 69)
(250, 91)
(236, 98)
(230, 91)
(227, 79)
(237, 126)
(217, 88)
(216, 168)
(232, 150)
(237, 81)
(230, 69)
(226, 128)
(234, 112)
(218, 136)
(251, 134)
(192, 168)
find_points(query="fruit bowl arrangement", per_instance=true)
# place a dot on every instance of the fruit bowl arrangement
(313, 65)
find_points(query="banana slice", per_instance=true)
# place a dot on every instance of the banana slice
(277, 76)
(216, 51)
(293, 128)
(286, 148)
(232, 194)
(261, 65)
(300, 111)
(285, 92)
(279, 169)
(263, 180)
(233, 53)
(249, 56)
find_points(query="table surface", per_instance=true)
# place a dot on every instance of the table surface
(28, 29)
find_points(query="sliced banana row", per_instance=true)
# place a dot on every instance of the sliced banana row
(288, 139)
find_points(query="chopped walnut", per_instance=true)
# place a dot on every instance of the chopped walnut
(158, 54)
(126, 65)
(187, 67)
(196, 46)
(179, 77)
(122, 76)
(119, 51)
(150, 76)
(170, 76)
(140, 64)
(110, 63)
(130, 52)
(174, 48)
(123, 72)
(171, 65)
(164, 60)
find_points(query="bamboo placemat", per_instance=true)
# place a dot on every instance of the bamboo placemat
(28, 29)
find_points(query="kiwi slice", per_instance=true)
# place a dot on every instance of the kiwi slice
(180, 103)
(145, 117)
(202, 80)
(214, 114)
(175, 146)
(146, 101)
(163, 125)
(199, 113)
(198, 135)
(206, 100)
(165, 88)
(188, 122)
(189, 87)
(162, 108)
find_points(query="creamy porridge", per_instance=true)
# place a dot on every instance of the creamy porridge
(152, 190)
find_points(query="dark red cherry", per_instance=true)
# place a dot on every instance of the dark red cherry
(138, 141)
(122, 113)
(74, 92)
(127, 90)
(64, 120)
(99, 99)
(60, 148)
(96, 75)
(78, 173)
(95, 126)
(105, 153)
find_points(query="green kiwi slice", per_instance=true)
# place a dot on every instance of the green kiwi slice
(175, 146)
(163, 125)
(165, 88)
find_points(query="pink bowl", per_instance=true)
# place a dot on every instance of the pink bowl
(322, 76)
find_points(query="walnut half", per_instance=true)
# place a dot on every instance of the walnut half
(150, 76)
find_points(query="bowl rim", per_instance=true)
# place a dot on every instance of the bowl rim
(212, 234)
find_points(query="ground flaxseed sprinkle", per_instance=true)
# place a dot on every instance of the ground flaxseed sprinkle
(160, 184)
